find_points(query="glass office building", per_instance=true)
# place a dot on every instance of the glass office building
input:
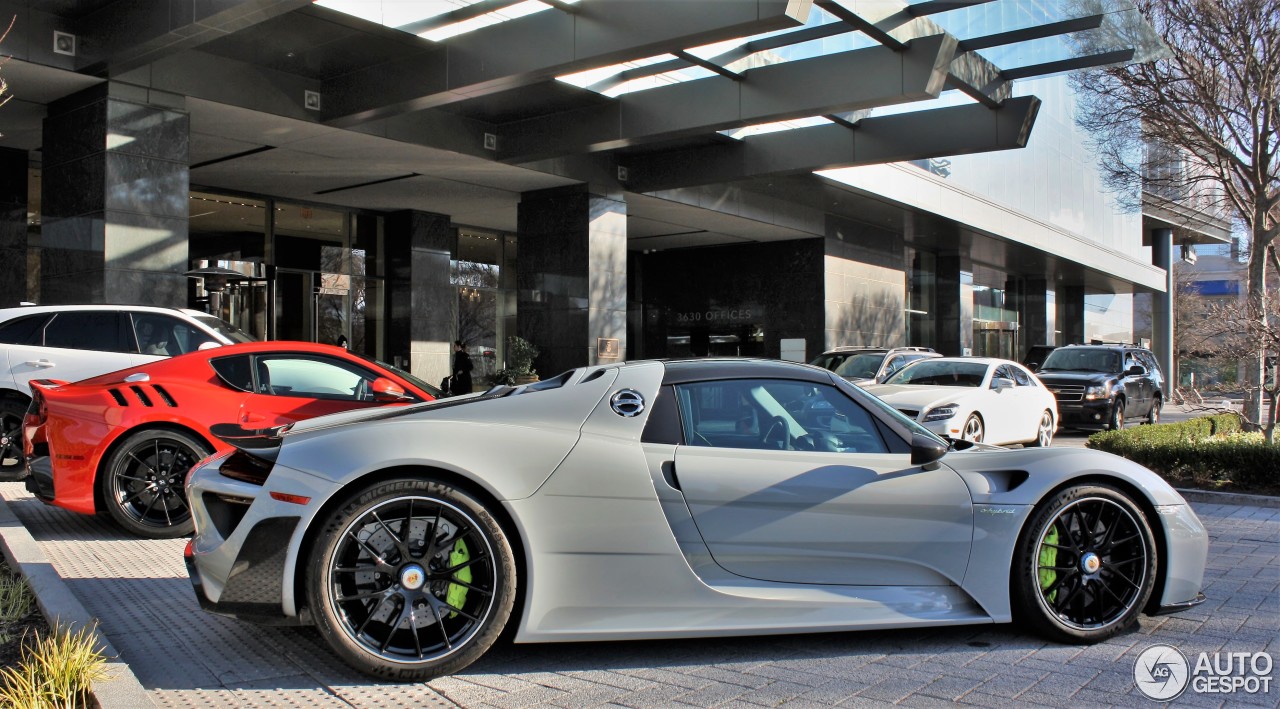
(608, 178)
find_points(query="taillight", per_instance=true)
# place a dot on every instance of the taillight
(245, 468)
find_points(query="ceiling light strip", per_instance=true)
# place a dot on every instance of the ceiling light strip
(367, 184)
(233, 156)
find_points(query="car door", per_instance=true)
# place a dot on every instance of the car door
(1011, 408)
(291, 387)
(816, 496)
(72, 345)
(1034, 400)
(1137, 388)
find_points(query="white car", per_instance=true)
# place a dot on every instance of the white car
(74, 342)
(974, 399)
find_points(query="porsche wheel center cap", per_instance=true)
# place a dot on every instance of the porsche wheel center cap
(412, 577)
(1090, 563)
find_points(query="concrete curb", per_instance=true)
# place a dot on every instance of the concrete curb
(60, 606)
(1229, 498)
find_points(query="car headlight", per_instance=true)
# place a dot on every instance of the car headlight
(941, 413)
(1095, 392)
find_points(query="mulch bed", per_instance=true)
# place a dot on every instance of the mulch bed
(13, 635)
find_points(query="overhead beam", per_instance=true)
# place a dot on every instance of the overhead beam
(1026, 34)
(1075, 63)
(123, 36)
(979, 79)
(462, 14)
(956, 130)
(708, 65)
(775, 92)
(544, 45)
(862, 24)
(784, 39)
(933, 7)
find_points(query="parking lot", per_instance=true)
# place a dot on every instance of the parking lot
(184, 657)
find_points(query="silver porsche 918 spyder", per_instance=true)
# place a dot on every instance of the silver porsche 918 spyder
(665, 500)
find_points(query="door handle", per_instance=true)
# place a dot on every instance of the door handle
(669, 474)
(41, 363)
(253, 418)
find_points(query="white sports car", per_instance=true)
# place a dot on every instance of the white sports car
(974, 399)
(670, 500)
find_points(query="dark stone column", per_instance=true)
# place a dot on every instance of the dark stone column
(13, 227)
(1036, 328)
(572, 276)
(114, 201)
(421, 302)
(955, 307)
(1162, 308)
(1071, 314)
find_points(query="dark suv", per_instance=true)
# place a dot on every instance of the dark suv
(1100, 386)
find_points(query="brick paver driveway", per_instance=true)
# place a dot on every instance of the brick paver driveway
(139, 590)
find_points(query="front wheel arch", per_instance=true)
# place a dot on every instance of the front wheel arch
(100, 502)
(1139, 498)
(515, 535)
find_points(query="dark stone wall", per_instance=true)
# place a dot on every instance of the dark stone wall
(114, 197)
(13, 227)
(759, 293)
(420, 299)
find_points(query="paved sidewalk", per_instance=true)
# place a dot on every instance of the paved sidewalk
(139, 590)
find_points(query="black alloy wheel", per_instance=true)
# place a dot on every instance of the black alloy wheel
(142, 483)
(12, 461)
(1116, 421)
(1085, 565)
(413, 579)
(1153, 416)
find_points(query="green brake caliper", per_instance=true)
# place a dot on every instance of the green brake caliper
(1048, 557)
(458, 594)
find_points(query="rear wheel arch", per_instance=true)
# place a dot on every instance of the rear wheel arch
(1143, 503)
(513, 532)
(99, 502)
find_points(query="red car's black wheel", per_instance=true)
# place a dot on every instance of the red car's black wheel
(142, 483)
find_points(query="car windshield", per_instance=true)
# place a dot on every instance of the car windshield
(933, 372)
(224, 328)
(1080, 359)
(863, 366)
(830, 360)
(432, 390)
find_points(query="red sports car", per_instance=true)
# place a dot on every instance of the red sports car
(122, 443)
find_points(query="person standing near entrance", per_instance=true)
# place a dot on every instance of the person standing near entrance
(461, 370)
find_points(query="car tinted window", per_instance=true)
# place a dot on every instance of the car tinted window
(97, 330)
(1082, 359)
(166, 335)
(236, 372)
(224, 328)
(23, 330)
(1148, 360)
(1003, 372)
(863, 366)
(1021, 377)
(934, 372)
(313, 377)
(775, 414)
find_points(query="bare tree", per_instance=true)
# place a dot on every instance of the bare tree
(1201, 127)
(4, 85)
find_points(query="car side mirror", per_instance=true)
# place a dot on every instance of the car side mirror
(1033, 366)
(386, 390)
(208, 345)
(1001, 383)
(1136, 370)
(926, 451)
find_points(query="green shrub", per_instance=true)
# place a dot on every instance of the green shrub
(1210, 450)
(57, 670)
